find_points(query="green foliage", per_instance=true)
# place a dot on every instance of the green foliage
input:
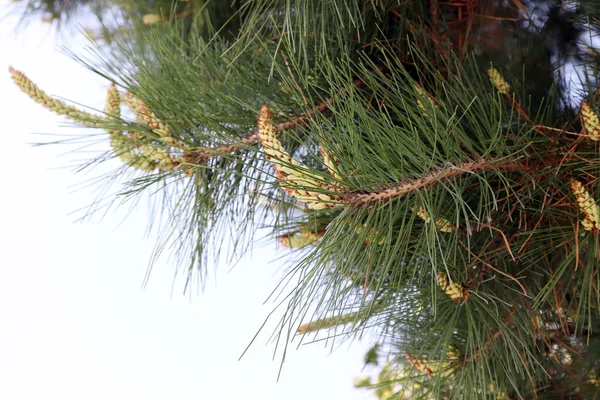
(448, 222)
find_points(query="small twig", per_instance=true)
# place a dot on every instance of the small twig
(536, 225)
(503, 237)
(508, 276)
(487, 264)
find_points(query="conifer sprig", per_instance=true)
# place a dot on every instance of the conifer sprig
(134, 152)
(394, 159)
(253, 138)
(343, 319)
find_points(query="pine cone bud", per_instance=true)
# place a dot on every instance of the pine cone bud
(455, 291)
(298, 183)
(52, 104)
(590, 121)
(498, 81)
(587, 205)
(441, 223)
(422, 93)
(305, 238)
(113, 102)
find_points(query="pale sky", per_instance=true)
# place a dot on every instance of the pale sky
(74, 320)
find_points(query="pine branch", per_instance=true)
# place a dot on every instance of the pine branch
(437, 176)
(431, 181)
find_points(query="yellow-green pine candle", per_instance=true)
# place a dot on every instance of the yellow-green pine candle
(268, 139)
(340, 319)
(144, 115)
(121, 144)
(150, 19)
(138, 156)
(590, 121)
(135, 105)
(52, 104)
(455, 291)
(593, 380)
(588, 206)
(327, 323)
(444, 225)
(113, 102)
(498, 81)
(421, 213)
(155, 124)
(330, 163)
(112, 109)
(452, 353)
(420, 364)
(157, 156)
(362, 381)
(497, 392)
(303, 239)
(441, 223)
(299, 184)
(422, 93)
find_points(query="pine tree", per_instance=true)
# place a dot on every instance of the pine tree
(435, 163)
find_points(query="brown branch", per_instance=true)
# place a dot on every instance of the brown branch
(503, 237)
(452, 171)
(488, 265)
(434, 31)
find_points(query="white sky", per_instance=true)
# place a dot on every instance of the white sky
(74, 320)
